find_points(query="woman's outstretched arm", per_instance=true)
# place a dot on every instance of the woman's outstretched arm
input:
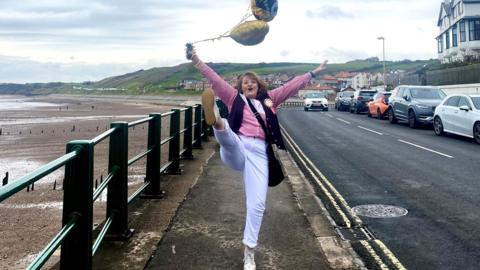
(220, 87)
(282, 93)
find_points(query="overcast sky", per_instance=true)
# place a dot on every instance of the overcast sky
(79, 40)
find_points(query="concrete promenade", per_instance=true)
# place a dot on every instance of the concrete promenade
(206, 230)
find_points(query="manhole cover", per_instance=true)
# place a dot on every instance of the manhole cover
(379, 211)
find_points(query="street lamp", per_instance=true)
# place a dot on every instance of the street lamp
(384, 79)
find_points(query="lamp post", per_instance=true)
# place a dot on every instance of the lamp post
(383, 43)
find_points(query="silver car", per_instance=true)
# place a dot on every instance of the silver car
(458, 114)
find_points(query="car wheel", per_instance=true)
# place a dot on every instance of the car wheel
(476, 132)
(412, 119)
(379, 114)
(305, 109)
(356, 110)
(325, 110)
(391, 116)
(438, 126)
(369, 114)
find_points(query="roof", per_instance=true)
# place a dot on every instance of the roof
(347, 89)
(319, 87)
(344, 74)
(448, 6)
(419, 86)
(328, 78)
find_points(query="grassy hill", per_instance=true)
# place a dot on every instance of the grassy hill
(168, 77)
(158, 80)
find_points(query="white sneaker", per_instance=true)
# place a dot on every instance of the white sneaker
(249, 259)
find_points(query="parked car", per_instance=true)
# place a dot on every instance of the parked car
(414, 104)
(360, 99)
(378, 107)
(458, 114)
(315, 101)
(343, 100)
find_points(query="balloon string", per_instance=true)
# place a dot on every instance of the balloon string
(247, 15)
(210, 39)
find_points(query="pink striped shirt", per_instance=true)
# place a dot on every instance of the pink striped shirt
(227, 93)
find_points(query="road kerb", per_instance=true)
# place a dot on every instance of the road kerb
(338, 252)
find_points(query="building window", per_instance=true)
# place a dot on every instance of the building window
(463, 34)
(460, 8)
(454, 36)
(474, 29)
(447, 39)
(440, 44)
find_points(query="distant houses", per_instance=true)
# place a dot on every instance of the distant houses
(194, 85)
(327, 90)
(98, 88)
(330, 84)
(459, 27)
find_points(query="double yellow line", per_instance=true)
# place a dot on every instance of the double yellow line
(339, 203)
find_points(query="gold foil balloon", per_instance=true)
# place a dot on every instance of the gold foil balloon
(264, 10)
(250, 33)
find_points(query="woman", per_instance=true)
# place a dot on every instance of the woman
(242, 139)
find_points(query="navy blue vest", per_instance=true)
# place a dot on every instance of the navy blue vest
(235, 118)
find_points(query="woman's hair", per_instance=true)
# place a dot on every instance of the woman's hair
(262, 86)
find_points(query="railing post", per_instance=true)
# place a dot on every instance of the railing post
(197, 132)
(117, 194)
(222, 109)
(153, 176)
(174, 146)
(187, 136)
(204, 128)
(76, 251)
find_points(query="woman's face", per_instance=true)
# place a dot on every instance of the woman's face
(249, 87)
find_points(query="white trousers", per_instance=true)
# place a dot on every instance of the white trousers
(248, 155)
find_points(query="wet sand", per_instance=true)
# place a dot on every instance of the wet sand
(35, 134)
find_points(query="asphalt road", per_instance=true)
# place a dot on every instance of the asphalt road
(437, 179)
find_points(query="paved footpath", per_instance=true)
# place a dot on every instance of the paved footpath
(207, 230)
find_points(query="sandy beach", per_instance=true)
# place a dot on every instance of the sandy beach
(35, 131)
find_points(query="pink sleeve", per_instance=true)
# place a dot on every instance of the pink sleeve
(221, 88)
(282, 93)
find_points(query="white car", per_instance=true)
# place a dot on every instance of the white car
(458, 114)
(315, 101)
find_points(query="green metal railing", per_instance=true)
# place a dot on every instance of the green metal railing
(289, 104)
(297, 103)
(76, 235)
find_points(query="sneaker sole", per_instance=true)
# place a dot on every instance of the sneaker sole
(208, 102)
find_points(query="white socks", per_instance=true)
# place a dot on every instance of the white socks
(249, 259)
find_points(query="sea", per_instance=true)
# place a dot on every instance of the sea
(21, 103)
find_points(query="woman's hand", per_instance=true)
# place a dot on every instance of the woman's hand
(191, 53)
(195, 58)
(320, 68)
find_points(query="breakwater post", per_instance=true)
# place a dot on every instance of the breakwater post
(5, 179)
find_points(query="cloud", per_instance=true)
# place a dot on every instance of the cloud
(24, 70)
(328, 12)
(76, 40)
(338, 55)
(284, 53)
